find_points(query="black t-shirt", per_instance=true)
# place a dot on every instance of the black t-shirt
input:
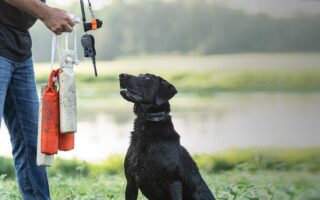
(15, 40)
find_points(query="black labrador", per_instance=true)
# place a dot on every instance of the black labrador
(156, 163)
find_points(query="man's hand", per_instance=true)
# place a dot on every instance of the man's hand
(55, 19)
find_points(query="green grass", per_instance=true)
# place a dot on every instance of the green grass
(233, 184)
(253, 173)
(228, 185)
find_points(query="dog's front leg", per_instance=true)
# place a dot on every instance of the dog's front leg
(175, 189)
(131, 191)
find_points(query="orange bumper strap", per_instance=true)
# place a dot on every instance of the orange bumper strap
(50, 127)
(94, 24)
(66, 141)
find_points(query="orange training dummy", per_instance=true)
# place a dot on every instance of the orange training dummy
(50, 126)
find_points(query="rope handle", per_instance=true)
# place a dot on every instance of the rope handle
(76, 61)
(52, 79)
(55, 47)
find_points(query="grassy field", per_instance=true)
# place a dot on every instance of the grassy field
(254, 173)
(264, 185)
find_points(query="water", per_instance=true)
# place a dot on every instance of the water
(224, 121)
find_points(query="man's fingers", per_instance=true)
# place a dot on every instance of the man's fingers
(70, 22)
(61, 29)
(67, 28)
(57, 32)
(68, 25)
(58, 21)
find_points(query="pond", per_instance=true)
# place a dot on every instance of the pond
(223, 121)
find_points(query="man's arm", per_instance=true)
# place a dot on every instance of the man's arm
(55, 19)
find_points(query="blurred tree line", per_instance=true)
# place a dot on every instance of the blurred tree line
(198, 27)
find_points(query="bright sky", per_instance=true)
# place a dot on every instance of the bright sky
(95, 3)
(274, 7)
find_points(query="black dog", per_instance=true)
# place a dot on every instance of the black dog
(156, 163)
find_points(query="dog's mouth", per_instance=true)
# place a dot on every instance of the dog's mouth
(128, 90)
(123, 90)
(130, 95)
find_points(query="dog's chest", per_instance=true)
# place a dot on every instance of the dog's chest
(138, 160)
(152, 160)
(138, 168)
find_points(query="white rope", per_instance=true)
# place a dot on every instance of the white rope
(67, 42)
(55, 45)
(76, 61)
(53, 50)
(75, 46)
(58, 46)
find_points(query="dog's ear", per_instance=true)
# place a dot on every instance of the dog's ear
(165, 92)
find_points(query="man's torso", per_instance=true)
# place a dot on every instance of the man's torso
(15, 40)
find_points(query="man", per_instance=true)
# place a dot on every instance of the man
(18, 96)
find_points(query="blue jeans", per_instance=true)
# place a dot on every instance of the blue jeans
(19, 107)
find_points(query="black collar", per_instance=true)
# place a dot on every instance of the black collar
(157, 117)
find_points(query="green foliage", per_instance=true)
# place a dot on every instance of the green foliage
(205, 82)
(112, 166)
(266, 185)
(249, 159)
(8, 188)
(6, 168)
(253, 159)
(69, 167)
(77, 168)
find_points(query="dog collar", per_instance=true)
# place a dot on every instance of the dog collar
(157, 117)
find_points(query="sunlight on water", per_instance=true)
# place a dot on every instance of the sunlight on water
(231, 120)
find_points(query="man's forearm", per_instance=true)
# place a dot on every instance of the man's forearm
(35, 8)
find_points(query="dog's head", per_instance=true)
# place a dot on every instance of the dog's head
(146, 89)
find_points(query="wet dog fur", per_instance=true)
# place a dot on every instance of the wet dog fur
(155, 162)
